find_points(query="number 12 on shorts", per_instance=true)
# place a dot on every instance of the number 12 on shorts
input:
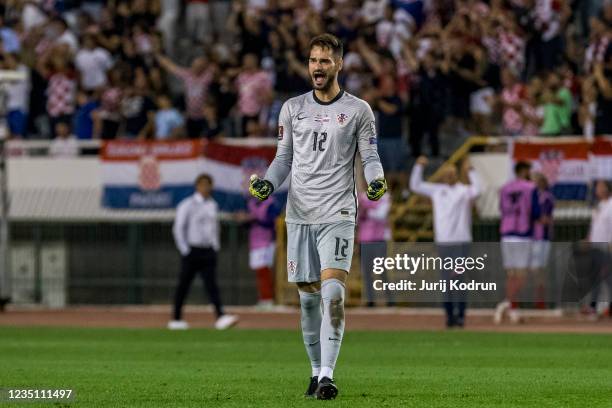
(341, 250)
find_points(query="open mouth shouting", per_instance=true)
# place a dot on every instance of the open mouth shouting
(319, 78)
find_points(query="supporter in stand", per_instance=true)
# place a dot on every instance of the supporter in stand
(451, 53)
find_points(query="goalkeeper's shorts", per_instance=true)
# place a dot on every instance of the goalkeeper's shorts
(312, 248)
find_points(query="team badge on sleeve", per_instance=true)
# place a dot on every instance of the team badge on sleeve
(372, 138)
(280, 133)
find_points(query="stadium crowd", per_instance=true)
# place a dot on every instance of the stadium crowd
(170, 69)
(108, 69)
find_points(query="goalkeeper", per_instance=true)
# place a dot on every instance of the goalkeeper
(319, 134)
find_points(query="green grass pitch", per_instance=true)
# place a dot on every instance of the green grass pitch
(242, 368)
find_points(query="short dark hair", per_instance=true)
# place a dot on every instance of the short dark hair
(203, 176)
(520, 166)
(329, 41)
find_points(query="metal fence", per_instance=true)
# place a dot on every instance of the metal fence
(116, 263)
(564, 231)
(58, 264)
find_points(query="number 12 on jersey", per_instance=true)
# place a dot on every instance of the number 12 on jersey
(318, 141)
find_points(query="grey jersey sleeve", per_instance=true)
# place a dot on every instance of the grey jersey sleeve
(366, 139)
(281, 165)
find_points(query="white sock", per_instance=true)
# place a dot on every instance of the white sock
(332, 324)
(316, 371)
(326, 372)
(311, 326)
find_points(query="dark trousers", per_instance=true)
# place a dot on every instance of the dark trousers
(195, 128)
(204, 261)
(599, 261)
(454, 303)
(549, 53)
(424, 121)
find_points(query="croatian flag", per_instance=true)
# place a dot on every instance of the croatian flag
(158, 175)
(601, 158)
(569, 164)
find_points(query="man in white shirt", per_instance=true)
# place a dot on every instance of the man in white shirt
(452, 211)
(605, 220)
(59, 33)
(196, 234)
(32, 16)
(601, 221)
(64, 144)
(600, 239)
(92, 62)
(18, 93)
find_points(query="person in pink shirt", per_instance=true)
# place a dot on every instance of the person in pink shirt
(61, 86)
(519, 208)
(262, 244)
(254, 90)
(511, 101)
(374, 232)
(532, 112)
(196, 82)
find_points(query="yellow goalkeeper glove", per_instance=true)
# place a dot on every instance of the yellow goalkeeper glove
(260, 188)
(376, 189)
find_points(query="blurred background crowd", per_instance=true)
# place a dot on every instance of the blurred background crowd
(433, 71)
(165, 69)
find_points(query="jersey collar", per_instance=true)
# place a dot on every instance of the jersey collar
(320, 102)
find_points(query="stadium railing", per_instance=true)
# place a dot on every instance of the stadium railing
(66, 249)
(132, 259)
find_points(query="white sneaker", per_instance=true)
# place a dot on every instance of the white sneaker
(515, 316)
(265, 305)
(225, 322)
(500, 310)
(178, 325)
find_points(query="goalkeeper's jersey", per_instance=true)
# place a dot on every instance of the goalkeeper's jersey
(317, 143)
